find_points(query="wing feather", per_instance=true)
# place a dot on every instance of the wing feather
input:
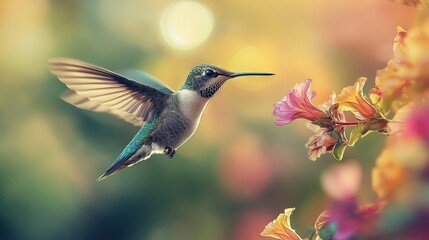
(98, 89)
(84, 103)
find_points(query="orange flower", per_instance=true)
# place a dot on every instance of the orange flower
(422, 4)
(399, 47)
(280, 228)
(351, 99)
(375, 94)
(388, 175)
(386, 79)
(391, 87)
(407, 74)
(405, 155)
(417, 54)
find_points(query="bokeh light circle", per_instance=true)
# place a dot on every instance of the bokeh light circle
(186, 24)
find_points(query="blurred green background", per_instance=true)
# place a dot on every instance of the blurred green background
(237, 172)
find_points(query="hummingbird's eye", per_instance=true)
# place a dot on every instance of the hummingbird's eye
(210, 73)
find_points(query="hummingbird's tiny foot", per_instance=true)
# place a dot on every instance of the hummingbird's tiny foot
(169, 151)
(172, 154)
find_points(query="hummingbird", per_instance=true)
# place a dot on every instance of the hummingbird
(167, 118)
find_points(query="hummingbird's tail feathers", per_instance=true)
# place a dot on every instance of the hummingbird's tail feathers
(116, 166)
(107, 173)
(127, 160)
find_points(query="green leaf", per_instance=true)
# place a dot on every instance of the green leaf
(339, 149)
(311, 234)
(356, 134)
(327, 231)
(364, 128)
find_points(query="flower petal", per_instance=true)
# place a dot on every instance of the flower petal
(319, 144)
(297, 104)
(388, 175)
(351, 99)
(342, 181)
(280, 228)
(407, 74)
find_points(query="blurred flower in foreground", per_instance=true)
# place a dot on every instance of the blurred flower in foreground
(400, 178)
(423, 4)
(388, 175)
(407, 74)
(401, 174)
(405, 154)
(417, 123)
(342, 181)
(245, 174)
(399, 47)
(345, 218)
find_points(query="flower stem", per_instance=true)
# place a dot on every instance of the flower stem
(347, 123)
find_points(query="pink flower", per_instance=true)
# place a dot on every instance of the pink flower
(417, 123)
(411, 121)
(319, 144)
(341, 183)
(297, 104)
(352, 220)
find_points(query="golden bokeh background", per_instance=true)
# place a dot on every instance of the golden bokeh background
(237, 172)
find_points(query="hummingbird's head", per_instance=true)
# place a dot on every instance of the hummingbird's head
(206, 79)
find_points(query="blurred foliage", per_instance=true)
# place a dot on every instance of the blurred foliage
(238, 170)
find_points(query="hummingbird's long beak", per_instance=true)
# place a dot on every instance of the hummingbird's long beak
(239, 74)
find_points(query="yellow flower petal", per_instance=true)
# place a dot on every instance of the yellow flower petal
(388, 175)
(399, 42)
(280, 228)
(351, 99)
(406, 75)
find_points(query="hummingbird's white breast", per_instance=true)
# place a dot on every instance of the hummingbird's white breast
(192, 106)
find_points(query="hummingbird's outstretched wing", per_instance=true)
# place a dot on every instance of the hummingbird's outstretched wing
(146, 79)
(82, 102)
(95, 88)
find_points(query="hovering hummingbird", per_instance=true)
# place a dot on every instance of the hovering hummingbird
(168, 118)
